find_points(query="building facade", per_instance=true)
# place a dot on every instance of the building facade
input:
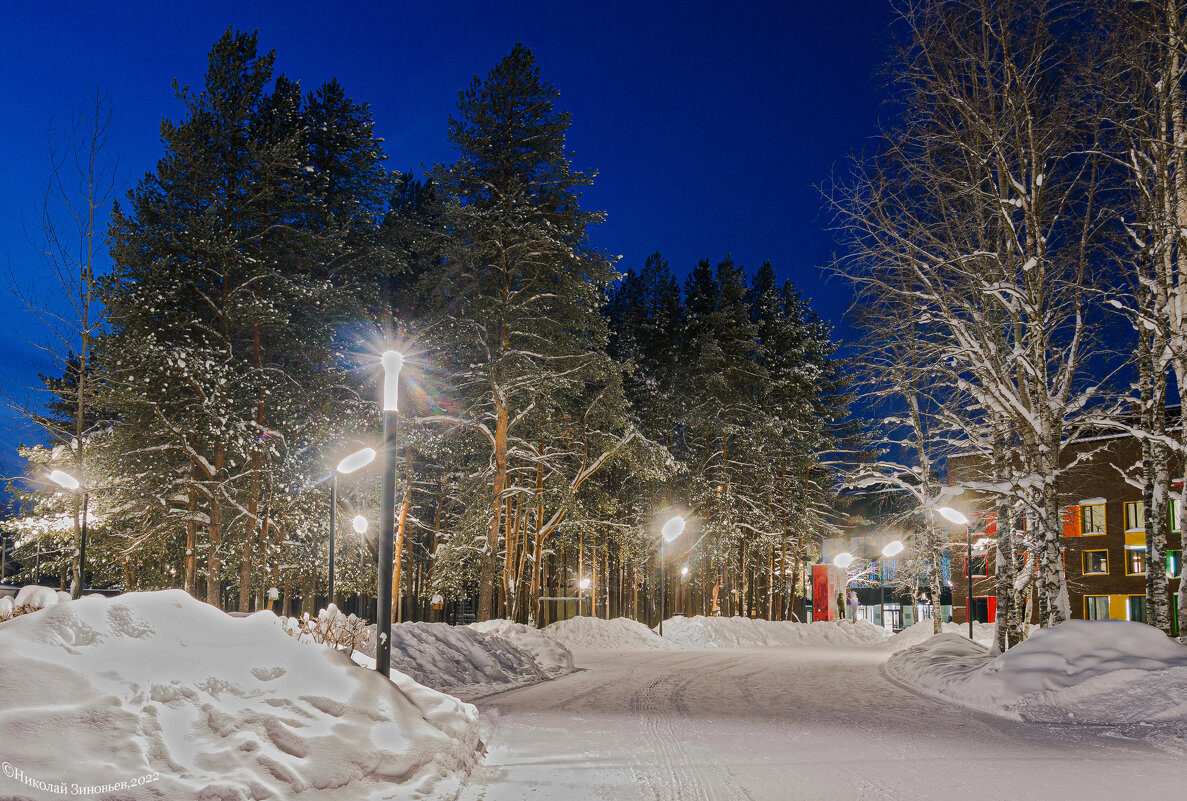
(1103, 541)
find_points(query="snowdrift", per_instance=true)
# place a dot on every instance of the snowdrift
(1098, 672)
(922, 631)
(157, 695)
(744, 632)
(617, 634)
(472, 661)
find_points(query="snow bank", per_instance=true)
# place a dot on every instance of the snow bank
(923, 631)
(175, 699)
(468, 661)
(552, 658)
(744, 632)
(617, 634)
(1100, 672)
(38, 597)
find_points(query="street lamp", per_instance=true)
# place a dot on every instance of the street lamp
(953, 516)
(671, 530)
(356, 460)
(892, 549)
(392, 362)
(67, 481)
(583, 587)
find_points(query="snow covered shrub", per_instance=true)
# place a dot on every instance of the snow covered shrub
(331, 628)
(30, 598)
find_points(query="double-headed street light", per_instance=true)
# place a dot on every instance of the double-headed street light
(669, 533)
(953, 516)
(67, 481)
(356, 460)
(393, 362)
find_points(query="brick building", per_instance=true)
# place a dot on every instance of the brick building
(1104, 538)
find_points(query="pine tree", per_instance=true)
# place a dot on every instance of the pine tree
(519, 295)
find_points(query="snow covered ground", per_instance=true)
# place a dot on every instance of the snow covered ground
(923, 631)
(1127, 675)
(157, 695)
(477, 660)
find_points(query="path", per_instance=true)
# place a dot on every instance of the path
(751, 725)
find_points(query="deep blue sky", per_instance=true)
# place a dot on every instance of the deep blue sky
(710, 124)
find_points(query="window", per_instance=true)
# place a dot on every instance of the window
(1096, 562)
(1174, 564)
(980, 565)
(1096, 607)
(1135, 561)
(1135, 516)
(1092, 519)
(1135, 608)
(1174, 514)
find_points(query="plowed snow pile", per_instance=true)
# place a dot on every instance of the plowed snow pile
(922, 631)
(744, 632)
(472, 661)
(1099, 672)
(175, 699)
(617, 634)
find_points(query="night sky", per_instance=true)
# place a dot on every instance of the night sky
(711, 125)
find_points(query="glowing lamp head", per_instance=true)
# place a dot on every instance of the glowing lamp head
(684, 571)
(64, 480)
(953, 516)
(360, 524)
(393, 362)
(843, 559)
(673, 528)
(356, 460)
(893, 549)
(584, 584)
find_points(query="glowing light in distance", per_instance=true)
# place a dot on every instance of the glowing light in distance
(843, 559)
(953, 516)
(684, 571)
(360, 524)
(673, 528)
(356, 460)
(393, 362)
(64, 480)
(893, 548)
(584, 584)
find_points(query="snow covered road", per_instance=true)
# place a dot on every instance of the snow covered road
(805, 723)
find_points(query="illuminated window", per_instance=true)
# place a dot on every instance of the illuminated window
(1135, 608)
(1174, 514)
(1096, 563)
(1174, 564)
(1135, 561)
(980, 565)
(1096, 607)
(1092, 519)
(1135, 516)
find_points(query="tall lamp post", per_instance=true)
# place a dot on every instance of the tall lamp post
(953, 516)
(67, 481)
(892, 549)
(392, 361)
(356, 460)
(671, 530)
